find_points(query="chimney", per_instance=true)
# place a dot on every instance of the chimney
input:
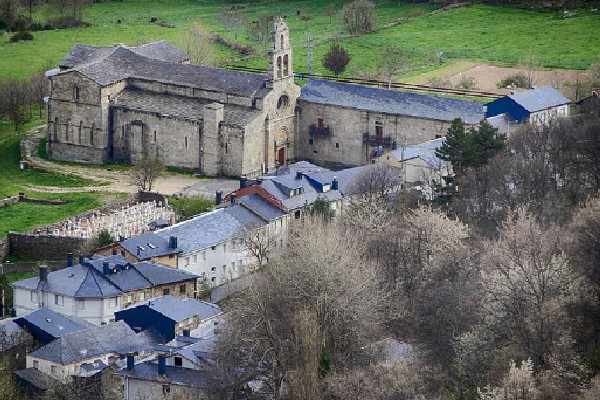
(105, 268)
(219, 197)
(130, 361)
(298, 175)
(43, 273)
(162, 364)
(139, 251)
(172, 242)
(69, 260)
(233, 198)
(243, 181)
(334, 184)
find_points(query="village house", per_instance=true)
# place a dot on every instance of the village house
(536, 106)
(91, 349)
(145, 247)
(169, 316)
(46, 325)
(99, 286)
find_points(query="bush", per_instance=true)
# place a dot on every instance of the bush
(187, 206)
(17, 37)
(518, 80)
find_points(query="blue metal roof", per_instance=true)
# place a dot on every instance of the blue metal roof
(115, 337)
(391, 101)
(47, 325)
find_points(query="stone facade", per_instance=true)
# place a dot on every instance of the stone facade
(120, 104)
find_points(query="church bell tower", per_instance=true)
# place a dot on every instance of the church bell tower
(280, 55)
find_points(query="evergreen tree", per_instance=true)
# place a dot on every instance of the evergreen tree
(459, 148)
(488, 143)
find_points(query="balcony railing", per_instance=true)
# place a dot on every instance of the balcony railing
(375, 140)
(319, 130)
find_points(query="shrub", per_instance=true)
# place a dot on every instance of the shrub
(518, 80)
(19, 36)
(467, 83)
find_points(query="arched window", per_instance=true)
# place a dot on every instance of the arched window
(285, 65)
(283, 102)
(75, 92)
(279, 67)
(281, 46)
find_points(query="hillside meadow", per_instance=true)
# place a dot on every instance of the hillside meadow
(482, 33)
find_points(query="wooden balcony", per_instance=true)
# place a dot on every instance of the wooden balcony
(375, 140)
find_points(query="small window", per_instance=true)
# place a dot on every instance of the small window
(53, 369)
(213, 248)
(59, 300)
(166, 292)
(186, 142)
(283, 102)
(80, 304)
(204, 256)
(34, 297)
(178, 361)
(310, 141)
(438, 136)
(297, 214)
(114, 252)
(142, 296)
(213, 269)
(233, 265)
(182, 289)
(36, 364)
(224, 247)
(187, 260)
(154, 136)
(337, 145)
(75, 92)
(213, 279)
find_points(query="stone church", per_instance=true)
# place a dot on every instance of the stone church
(116, 104)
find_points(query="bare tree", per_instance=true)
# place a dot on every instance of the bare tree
(336, 59)
(392, 63)
(305, 18)
(330, 11)
(233, 19)
(359, 16)
(531, 63)
(145, 171)
(519, 384)
(38, 89)
(8, 12)
(198, 45)
(13, 99)
(258, 242)
(315, 306)
(261, 29)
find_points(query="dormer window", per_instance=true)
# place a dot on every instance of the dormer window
(75, 92)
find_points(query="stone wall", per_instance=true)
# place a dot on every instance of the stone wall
(43, 247)
(32, 266)
(344, 145)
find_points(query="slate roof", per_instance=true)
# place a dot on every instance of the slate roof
(260, 206)
(178, 309)
(45, 323)
(391, 101)
(149, 244)
(180, 106)
(183, 376)
(539, 99)
(85, 54)
(35, 380)
(425, 151)
(88, 280)
(115, 64)
(115, 337)
(206, 230)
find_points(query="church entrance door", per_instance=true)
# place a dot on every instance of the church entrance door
(281, 156)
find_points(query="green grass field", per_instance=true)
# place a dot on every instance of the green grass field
(497, 34)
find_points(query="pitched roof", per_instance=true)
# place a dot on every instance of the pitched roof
(539, 99)
(176, 309)
(176, 375)
(35, 380)
(149, 245)
(110, 65)
(205, 230)
(89, 280)
(115, 337)
(425, 151)
(47, 325)
(261, 207)
(391, 101)
(85, 54)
